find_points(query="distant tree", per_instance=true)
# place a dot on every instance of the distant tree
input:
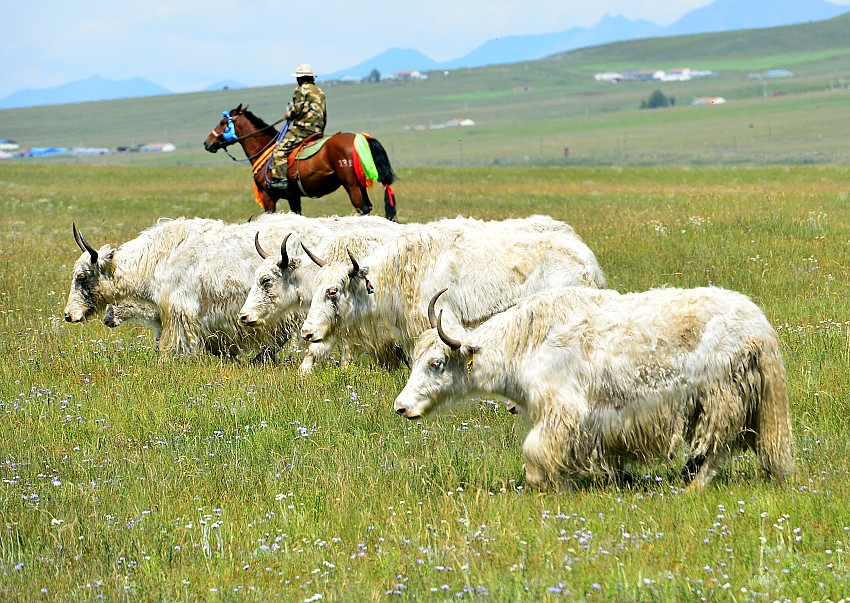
(374, 76)
(657, 99)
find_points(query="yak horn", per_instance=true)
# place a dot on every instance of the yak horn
(316, 259)
(452, 343)
(432, 317)
(284, 257)
(260, 250)
(355, 267)
(83, 244)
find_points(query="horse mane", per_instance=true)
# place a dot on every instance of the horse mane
(258, 122)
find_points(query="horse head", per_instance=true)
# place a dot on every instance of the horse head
(226, 132)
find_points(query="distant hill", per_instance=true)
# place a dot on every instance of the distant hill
(550, 112)
(521, 48)
(728, 15)
(225, 85)
(720, 15)
(389, 61)
(94, 88)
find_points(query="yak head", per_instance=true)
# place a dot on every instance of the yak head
(440, 373)
(91, 281)
(278, 289)
(339, 290)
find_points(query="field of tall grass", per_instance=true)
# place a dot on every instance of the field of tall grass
(130, 478)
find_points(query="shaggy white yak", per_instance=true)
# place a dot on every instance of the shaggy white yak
(381, 302)
(196, 273)
(603, 379)
(283, 284)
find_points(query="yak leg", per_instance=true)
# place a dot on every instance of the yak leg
(538, 453)
(710, 466)
(315, 353)
(692, 467)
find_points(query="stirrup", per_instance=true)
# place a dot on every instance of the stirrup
(277, 184)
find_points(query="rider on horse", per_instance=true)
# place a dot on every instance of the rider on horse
(306, 115)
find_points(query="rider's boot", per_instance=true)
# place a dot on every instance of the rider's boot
(277, 184)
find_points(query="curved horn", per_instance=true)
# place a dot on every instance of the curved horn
(432, 317)
(284, 257)
(83, 244)
(77, 237)
(355, 267)
(316, 259)
(452, 343)
(260, 250)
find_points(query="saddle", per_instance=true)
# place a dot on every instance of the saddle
(308, 147)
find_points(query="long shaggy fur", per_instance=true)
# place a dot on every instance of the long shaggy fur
(487, 266)
(197, 272)
(283, 293)
(605, 379)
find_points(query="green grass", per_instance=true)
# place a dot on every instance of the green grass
(139, 479)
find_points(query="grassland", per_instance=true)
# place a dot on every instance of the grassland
(124, 477)
(528, 113)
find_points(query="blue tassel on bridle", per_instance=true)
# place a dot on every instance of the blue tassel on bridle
(229, 133)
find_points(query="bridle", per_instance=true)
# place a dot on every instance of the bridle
(228, 135)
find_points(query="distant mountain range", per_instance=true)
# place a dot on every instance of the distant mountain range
(93, 88)
(720, 15)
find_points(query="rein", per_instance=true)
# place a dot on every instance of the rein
(229, 137)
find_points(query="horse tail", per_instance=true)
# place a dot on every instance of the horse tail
(386, 175)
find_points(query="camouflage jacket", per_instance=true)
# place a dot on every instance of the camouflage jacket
(307, 113)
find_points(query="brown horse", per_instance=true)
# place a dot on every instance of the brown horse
(318, 175)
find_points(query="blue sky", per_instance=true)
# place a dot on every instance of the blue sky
(186, 45)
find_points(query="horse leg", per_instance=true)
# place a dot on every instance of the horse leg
(269, 203)
(366, 208)
(294, 203)
(359, 199)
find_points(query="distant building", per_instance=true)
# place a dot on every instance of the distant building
(90, 151)
(678, 74)
(771, 73)
(43, 151)
(611, 77)
(410, 75)
(639, 75)
(454, 123)
(674, 75)
(158, 147)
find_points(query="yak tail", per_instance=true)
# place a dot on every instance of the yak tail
(772, 420)
(386, 175)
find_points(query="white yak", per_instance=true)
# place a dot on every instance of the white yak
(603, 379)
(381, 301)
